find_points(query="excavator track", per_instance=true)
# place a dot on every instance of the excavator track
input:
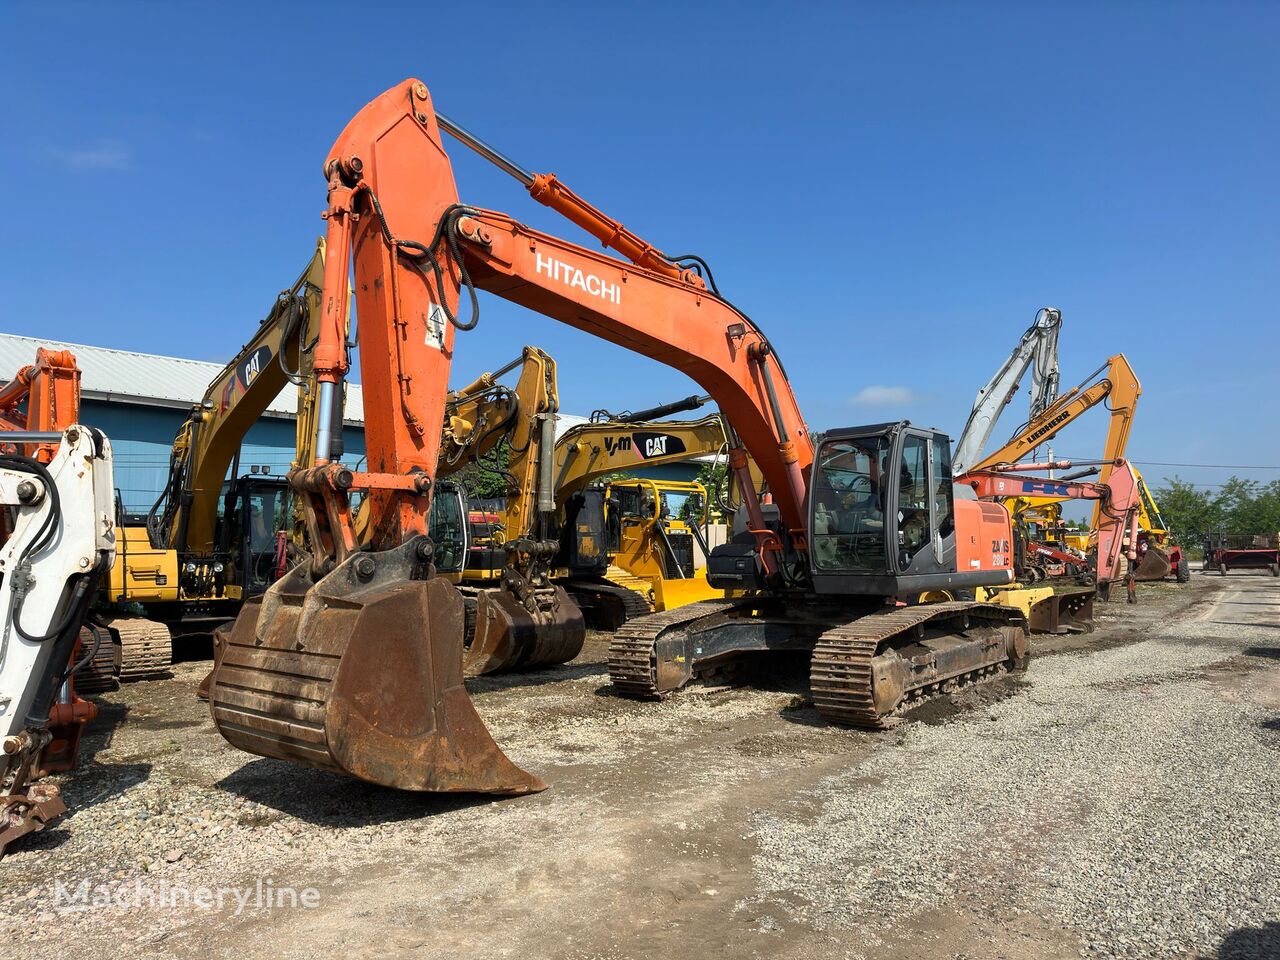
(633, 664)
(623, 603)
(862, 672)
(865, 671)
(99, 674)
(146, 648)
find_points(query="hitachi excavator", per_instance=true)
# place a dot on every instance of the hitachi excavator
(209, 544)
(57, 538)
(352, 662)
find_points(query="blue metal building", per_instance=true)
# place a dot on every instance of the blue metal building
(140, 400)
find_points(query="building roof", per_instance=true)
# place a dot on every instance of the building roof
(125, 376)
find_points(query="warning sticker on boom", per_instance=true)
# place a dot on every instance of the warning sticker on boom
(435, 326)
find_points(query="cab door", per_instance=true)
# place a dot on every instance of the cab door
(923, 507)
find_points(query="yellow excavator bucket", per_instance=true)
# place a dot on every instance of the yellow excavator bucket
(360, 673)
(512, 636)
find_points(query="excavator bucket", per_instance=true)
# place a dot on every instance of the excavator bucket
(1154, 565)
(360, 673)
(509, 637)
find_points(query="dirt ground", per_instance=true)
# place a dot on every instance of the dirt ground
(1119, 799)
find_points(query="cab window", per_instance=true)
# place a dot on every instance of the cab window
(913, 498)
(848, 505)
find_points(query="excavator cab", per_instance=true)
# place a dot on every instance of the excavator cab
(254, 514)
(883, 516)
(448, 528)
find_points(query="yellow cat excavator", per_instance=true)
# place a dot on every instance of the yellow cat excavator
(208, 543)
(626, 547)
(628, 553)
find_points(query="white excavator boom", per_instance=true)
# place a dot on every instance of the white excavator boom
(60, 521)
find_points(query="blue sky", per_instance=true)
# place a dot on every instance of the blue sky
(890, 190)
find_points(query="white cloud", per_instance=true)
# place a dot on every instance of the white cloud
(106, 155)
(881, 396)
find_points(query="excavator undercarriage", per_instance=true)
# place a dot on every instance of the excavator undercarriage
(865, 666)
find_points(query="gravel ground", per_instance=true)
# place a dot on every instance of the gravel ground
(1116, 800)
(1145, 799)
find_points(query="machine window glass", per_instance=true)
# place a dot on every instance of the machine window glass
(446, 529)
(943, 494)
(267, 514)
(848, 511)
(629, 501)
(913, 498)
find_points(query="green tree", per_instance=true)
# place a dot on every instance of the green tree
(1189, 512)
(488, 477)
(715, 477)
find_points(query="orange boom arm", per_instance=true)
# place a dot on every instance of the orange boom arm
(394, 202)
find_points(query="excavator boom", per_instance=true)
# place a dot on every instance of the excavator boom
(1037, 350)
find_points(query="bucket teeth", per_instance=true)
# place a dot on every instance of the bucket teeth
(363, 676)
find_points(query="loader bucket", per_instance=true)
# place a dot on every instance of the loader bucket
(360, 673)
(1067, 610)
(1154, 565)
(509, 637)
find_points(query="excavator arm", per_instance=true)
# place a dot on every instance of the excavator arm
(185, 516)
(42, 397)
(1118, 503)
(1114, 382)
(1037, 351)
(416, 248)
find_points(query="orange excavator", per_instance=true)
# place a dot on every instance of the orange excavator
(352, 662)
(1117, 504)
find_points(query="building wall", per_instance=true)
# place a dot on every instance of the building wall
(141, 437)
